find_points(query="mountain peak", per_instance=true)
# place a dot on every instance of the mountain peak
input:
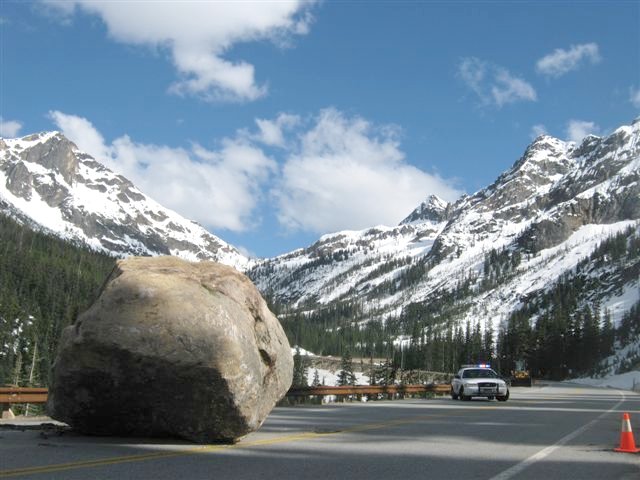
(544, 159)
(483, 257)
(545, 143)
(433, 209)
(34, 138)
(46, 180)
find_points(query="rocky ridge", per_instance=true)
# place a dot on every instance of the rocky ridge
(550, 209)
(47, 181)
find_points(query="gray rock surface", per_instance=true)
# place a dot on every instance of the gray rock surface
(91, 204)
(172, 348)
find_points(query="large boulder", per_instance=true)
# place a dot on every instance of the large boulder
(172, 348)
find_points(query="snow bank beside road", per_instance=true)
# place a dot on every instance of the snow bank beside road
(624, 381)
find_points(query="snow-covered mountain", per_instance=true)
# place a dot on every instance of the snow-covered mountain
(349, 264)
(47, 181)
(496, 248)
(563, 223)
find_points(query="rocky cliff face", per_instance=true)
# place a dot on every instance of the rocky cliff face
(552, 208)
(47, 181)
(553, 190)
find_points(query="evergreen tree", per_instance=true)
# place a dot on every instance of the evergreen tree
(346, 376)
(590, 342)
(476, 347)
(385, 373)
(466, 345)
(607, 336)
(487, 342)
(316, 379)
(372, 371)
(300, 369)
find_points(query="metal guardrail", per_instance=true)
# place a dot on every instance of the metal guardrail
(9, 395)
(23, 395)
(369, 390)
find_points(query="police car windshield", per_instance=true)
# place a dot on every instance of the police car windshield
(479, 373)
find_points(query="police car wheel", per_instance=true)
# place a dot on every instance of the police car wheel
(504, 398)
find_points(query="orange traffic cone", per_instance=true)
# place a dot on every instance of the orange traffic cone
(627, 443)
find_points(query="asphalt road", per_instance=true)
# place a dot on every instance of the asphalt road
(553, 432)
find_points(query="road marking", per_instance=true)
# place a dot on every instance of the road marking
(536, 457)
(91, 463)
(214, 448)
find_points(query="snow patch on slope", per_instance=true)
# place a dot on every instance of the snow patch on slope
(88, 202)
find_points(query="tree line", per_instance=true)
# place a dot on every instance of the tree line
(558, 332)
(45, 282)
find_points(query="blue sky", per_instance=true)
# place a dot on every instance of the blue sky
(272, 123)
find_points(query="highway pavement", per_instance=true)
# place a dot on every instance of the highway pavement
(557, 431)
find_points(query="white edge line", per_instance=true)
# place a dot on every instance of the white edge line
(545, 452)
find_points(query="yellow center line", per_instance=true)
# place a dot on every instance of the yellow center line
(214, 448)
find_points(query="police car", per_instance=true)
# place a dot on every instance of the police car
(478, 381)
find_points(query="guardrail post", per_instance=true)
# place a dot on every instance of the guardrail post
(7, 413)
(389, 392)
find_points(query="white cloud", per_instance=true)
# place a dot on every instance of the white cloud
(82, 132)
(634, 97)
(220, 189)
(538, 130)
(577, 130)
(473, 71)
(199, 35)
(493, 84)
(561, 62)
(9, 128)
(272, 131)
(337, 172)
(348, 174)
(510, 89)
